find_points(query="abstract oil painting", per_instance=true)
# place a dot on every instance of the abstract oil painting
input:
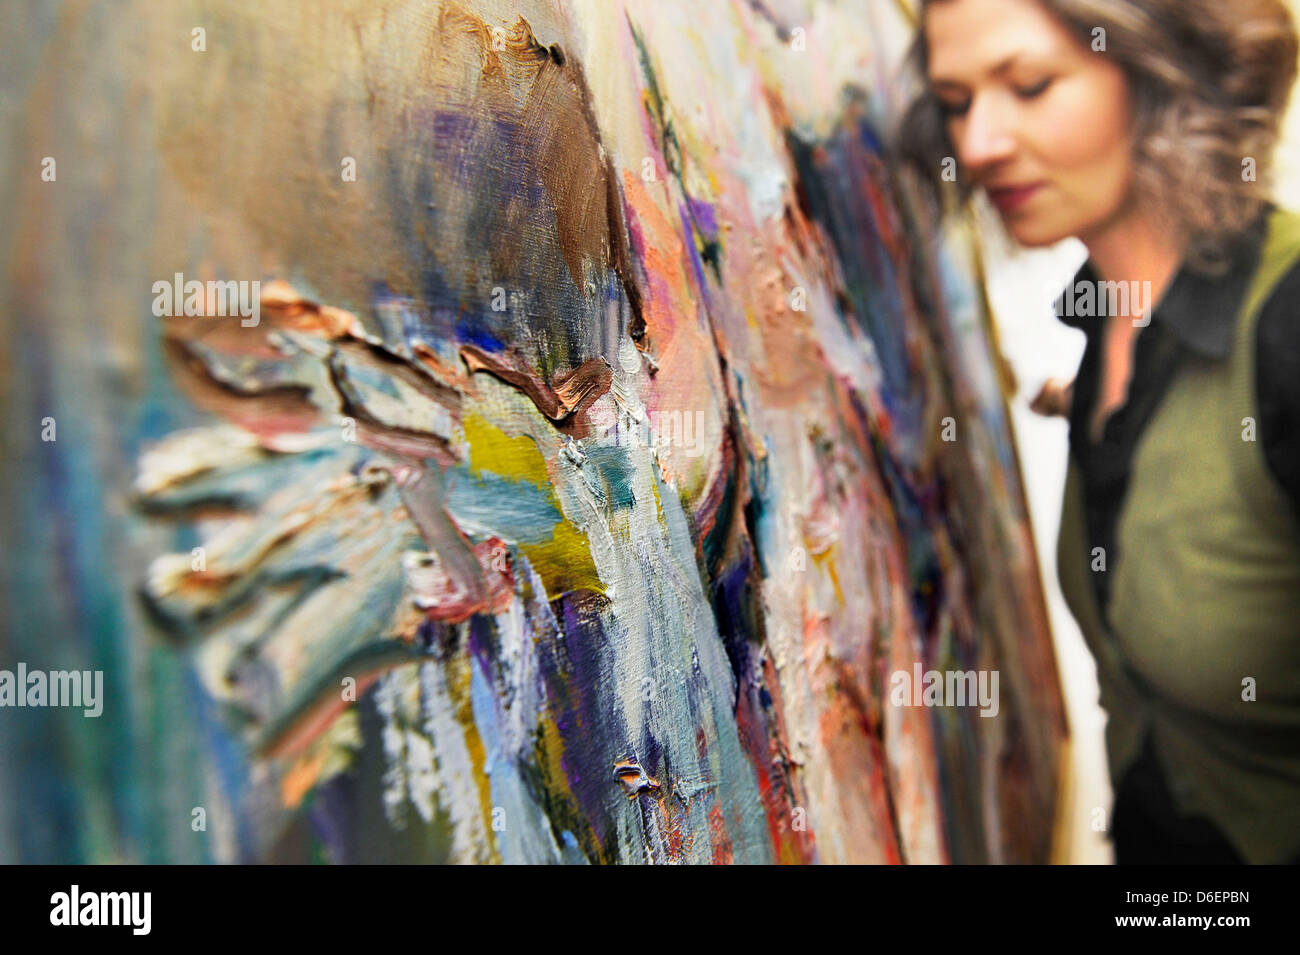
(500, 432)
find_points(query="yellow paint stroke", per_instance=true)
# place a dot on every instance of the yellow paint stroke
(549, 750)
(563, 562)
(659, 504)
(826, 560)
(302, 777)
(459, 678)
(548, 753)
(493, 451)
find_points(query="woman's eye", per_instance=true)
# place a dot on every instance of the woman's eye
(1036, 90)
(953, 109)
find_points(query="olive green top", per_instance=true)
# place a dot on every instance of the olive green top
(1203, 648)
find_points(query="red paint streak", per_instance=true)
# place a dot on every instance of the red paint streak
(722, 850)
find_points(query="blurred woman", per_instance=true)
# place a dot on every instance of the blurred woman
(1145, 128)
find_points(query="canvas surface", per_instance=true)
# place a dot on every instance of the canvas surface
(614, 424)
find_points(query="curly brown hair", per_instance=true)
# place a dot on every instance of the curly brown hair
(1210, 82)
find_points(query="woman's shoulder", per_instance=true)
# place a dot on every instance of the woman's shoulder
(1282, 239)
(1277, 337)
(1280, 257)
(1277, 365)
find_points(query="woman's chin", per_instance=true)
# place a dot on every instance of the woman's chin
(1034, 233)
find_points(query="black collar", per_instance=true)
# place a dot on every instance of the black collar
(1200, 310)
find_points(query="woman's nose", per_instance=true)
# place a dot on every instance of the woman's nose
(988, 136)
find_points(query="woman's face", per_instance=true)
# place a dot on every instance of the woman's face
(1037, 119)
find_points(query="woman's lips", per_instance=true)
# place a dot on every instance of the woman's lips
(1008, 198)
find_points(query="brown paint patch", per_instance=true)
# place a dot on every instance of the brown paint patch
(558, 129)
(571, 394)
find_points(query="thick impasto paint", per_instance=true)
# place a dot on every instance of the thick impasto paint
(611, 422)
